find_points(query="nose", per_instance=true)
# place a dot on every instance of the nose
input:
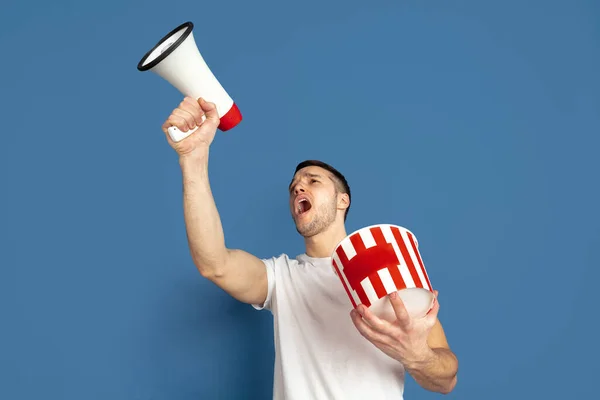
(298, 189)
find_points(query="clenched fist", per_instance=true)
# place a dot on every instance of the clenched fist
(188, 115)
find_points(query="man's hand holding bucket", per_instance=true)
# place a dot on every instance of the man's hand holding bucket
(416, 342)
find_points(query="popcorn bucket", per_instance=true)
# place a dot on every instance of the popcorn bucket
(380, 259)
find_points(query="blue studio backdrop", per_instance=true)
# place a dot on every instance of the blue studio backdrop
(474, 124)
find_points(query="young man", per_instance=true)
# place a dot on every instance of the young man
(322, 351)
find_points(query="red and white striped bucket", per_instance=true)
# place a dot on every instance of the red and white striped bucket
(377, 260)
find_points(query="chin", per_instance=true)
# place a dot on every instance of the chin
(306, 233)
(309, 228)
(303, 229)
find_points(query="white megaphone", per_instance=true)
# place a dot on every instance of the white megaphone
(176, 59)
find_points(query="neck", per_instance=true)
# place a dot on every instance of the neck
(322, 244)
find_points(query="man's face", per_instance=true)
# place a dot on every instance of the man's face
(313, 200)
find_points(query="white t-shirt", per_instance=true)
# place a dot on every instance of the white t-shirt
(319, 353)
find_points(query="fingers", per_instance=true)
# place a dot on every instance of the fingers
(188, 115)
(379, 325)
(187, 120)
(178, 121)
(181, 119)
(210, 110)
(399, 309)
(432, 314)
(366, 330)
(190, 112)
(193, 108)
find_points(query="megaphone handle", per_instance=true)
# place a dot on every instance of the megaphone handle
(178, 135)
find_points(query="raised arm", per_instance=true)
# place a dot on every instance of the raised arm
(237, 272)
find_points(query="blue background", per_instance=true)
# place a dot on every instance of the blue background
(474, 124)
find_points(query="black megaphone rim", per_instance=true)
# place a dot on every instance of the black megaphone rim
(189, 27)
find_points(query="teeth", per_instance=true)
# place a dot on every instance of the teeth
(299, 208)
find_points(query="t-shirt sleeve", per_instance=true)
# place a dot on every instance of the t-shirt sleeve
(271, 264)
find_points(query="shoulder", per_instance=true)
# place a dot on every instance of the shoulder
(278, 277)
(281, 260)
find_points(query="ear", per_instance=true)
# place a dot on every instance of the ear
(343, 201)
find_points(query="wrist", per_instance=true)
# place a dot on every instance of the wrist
(194, 166)
(421, 360)
(198, 156)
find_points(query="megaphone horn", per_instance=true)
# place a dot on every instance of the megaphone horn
(176, 59)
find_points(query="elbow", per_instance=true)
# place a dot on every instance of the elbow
(448, 383)
(450, 386)
(453, 376)
(209, 271)
(212, 269)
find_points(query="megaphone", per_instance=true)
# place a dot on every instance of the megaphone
(176, 59)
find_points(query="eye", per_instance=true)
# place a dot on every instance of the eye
(313, 181)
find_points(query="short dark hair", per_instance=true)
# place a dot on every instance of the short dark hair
(342, 185)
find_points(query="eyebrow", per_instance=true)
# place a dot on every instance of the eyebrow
(305, 174)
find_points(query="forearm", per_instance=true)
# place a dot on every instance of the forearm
(203, 224)
(437, 372)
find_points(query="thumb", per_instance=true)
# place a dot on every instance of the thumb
(210, 110)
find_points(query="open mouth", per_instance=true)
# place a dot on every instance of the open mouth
(302, 206)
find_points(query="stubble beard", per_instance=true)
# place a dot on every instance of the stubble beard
(323, 218)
